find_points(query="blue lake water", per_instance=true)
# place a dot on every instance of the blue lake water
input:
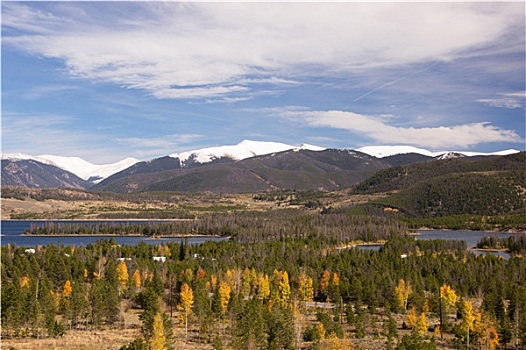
(12, 230)
(470, 237)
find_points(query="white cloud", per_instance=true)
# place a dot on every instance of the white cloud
(202, 50)
(507, 100)
(377, 129)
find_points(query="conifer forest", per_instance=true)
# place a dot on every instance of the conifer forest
(285, 279)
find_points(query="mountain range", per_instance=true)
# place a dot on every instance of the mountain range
(246, 167)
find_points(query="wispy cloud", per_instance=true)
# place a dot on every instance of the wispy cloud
(506, 100)
(380, 131)
(203, 50)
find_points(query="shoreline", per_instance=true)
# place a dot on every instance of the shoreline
(124, 235)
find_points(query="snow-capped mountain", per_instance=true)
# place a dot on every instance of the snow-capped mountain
(243, 150)
(78, 166)
(246, 149)
(386, 151)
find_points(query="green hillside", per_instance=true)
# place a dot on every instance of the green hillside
(484, 187)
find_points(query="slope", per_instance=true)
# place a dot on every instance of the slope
(33, 174)
(297, 169)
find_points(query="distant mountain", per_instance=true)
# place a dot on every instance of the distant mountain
(243, 150)
(304, 165)
(386, 151)
(406, 158)
(33, 174)
(85, 170)
(293, 169)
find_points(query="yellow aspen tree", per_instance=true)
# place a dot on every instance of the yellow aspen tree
(324, 282)
(24, 282)
(485, 331)
(263, 286)
(468, 319)
(422, 324)
(122, 275)
(403, 290)
(136, 278)
(284, 288)
(335, 280)
(212, 284)
(305, 288)
(166, 251)
(230, 278)
(66, 291)
(224, 295)
(185, 304)
(332, 343)
(448, 297)
(493, 338)
(320, 330)
(158, 338)
(412, 318)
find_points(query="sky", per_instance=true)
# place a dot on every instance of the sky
(108, 80)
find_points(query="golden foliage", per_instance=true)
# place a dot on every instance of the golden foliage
(263, 286)
(422, 324)
(324, 282)
(412, 318)
(284, 288)
(158, 338)
(186, 299)
(24, 282)
(305, 288)
(67, 289)
(448, 297)
(403, 290)
(224, 295)
(136, 278)
(122, 273)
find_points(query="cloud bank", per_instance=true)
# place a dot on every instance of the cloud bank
(213, 50)
(379, 131)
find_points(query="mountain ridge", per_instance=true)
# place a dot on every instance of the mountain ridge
(230, 153)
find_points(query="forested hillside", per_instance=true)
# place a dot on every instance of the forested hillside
(293, 170)
(487, 187)
(401, 177)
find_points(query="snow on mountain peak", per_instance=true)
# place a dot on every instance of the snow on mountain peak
(386, 151)
(244, 149)
(78, 166)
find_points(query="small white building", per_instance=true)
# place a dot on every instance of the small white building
(30, 251)
(159, 258)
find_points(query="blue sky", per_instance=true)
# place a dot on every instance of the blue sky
(109, 80)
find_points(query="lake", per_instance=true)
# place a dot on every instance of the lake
(470, 237)
(12, 230)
